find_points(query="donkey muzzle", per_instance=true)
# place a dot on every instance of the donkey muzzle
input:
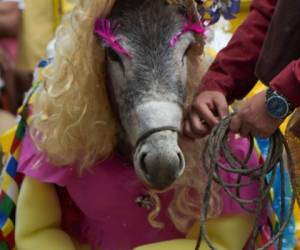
(158, 160)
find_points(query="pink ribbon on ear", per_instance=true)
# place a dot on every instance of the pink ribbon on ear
(105, 31)
(189, 26)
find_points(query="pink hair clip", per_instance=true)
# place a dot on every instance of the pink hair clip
(189, 26)
(105, 31)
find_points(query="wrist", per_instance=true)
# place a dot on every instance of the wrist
(277, 105)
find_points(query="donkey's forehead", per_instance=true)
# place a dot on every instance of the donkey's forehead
(146, 22)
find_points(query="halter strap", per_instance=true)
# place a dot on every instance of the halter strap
(153, 131)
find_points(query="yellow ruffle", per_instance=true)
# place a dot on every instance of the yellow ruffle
(226, 233)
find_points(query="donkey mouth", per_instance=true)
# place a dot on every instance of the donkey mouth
(158, 160)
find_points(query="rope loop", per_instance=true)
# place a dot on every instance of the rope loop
(217, 147)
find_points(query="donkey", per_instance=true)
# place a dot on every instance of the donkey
(148, 82)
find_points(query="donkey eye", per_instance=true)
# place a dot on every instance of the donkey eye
(113, 55)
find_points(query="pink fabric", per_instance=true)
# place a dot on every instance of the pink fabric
(30, 158)
(239, 147)
(106, 197)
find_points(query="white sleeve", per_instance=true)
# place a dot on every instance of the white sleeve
(20, 3)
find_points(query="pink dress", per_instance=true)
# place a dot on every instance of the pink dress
(104, 212)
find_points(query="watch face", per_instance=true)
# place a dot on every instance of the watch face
(277, 107)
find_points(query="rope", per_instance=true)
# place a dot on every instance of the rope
(216, 146)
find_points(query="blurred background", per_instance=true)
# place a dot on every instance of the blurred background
(26, 29)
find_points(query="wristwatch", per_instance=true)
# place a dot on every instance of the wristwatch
(277, 105)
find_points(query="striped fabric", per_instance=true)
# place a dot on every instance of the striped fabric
(289, 234)
(9, 187)
(10, 178)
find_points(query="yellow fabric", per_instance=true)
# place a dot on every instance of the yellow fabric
(235, 23)
(6, 141)
(297, 218)
(60, 8)
(39, 21)
(294, 144)
(38, 218)
(180, 244)
(226, 233)
(34, 38)
(211, 53)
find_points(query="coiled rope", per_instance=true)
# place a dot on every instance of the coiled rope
(216, 146)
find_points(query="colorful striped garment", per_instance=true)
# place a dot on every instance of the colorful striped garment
(10, 179)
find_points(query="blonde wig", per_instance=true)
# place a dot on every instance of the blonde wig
(73, 121)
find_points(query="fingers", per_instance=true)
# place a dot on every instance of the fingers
(207, 109)
(198, 127)
(238, 125)
(221, 105)
(187, 129)
(206, 114)
(194, 127)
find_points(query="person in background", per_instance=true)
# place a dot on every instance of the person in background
(34, 38)
(39, 22)
(266, 47)
(10, 16)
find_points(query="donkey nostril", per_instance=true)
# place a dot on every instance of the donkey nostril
(143, 163)
(180, 160)
(181, 163)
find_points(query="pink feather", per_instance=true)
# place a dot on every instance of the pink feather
(105, 31)
(189, 26)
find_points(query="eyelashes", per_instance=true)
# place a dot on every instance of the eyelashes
(105, 30)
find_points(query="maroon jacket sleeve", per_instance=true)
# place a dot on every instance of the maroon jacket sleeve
(232, 72)
(287, 82)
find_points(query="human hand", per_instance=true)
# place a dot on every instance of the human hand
(207, 109)
(253, 119)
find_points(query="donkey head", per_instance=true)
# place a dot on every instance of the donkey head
(147, 44)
